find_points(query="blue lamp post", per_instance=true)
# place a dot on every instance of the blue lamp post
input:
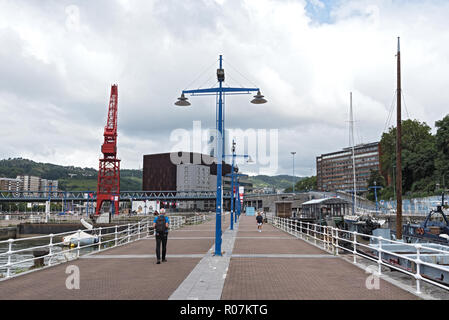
(375, 187)
(238, 205)
(232, 175)
(219, 92)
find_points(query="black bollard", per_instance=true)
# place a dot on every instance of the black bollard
(41, 253)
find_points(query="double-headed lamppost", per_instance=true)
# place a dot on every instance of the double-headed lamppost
(220, 93)
(232, 175)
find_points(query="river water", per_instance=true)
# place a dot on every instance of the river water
(21, 256)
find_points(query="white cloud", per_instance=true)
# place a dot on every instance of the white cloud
(56, 70)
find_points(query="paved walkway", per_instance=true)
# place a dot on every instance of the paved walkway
(273, 265)
(267, 265)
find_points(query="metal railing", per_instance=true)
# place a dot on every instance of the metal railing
(420, 261)
(56, 251)
(197, 219)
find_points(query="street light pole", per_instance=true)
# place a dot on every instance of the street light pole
(232, 175)
(219, 93)
(293, 184)
(375, 187)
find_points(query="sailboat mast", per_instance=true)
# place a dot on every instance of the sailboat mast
(353, 157)
(398, 150)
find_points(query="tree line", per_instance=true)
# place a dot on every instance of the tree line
(425, 160)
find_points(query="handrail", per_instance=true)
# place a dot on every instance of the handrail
(332, 240)
(108, 237)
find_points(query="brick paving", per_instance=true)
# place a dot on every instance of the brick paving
(254, 278)
(268, 265)
(110, 279)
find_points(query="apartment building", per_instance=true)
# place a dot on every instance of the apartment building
(34, 184)
(335, 169)
(8, 184)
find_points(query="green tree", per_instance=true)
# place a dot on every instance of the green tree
(442, 147)
(418, 153)
(306, 184)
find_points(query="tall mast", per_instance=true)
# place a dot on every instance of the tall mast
(353, 156)
(398, 150)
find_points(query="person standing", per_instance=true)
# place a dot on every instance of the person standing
(259, 220)
(160, 226)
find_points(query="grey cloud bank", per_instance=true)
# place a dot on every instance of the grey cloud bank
(57, 65)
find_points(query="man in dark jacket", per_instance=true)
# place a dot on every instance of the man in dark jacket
(160, 227)
(259, 220)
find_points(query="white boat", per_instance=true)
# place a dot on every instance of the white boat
(83, 237)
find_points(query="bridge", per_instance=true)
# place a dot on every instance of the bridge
(42, 196)
(283, 262)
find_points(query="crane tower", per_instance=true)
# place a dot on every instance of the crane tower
(108, 188)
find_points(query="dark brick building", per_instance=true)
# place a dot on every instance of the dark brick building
(159, 171)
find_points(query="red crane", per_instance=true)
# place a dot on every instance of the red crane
(108, 188)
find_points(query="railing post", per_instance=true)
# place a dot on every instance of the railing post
(336, 241)
(418, 268)
(50, 249)
(129, 230)
(148, 228)
(115, 236)
(330, 232)
(138, 233)
(296, 229)
(314, 232)
(354, 251)
(379, 260)
(300, 228)
(99, 239)
(8, 270)
(78, 246)
(307, 231)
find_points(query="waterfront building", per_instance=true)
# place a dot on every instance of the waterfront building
(9, 184)
(33, 184)
(192, 172)
(335, 170)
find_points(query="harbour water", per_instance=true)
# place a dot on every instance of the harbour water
(59, 256)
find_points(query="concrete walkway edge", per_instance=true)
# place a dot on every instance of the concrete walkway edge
(206, 280)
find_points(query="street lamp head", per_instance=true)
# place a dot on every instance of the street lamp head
(182, 101)
(258, 98)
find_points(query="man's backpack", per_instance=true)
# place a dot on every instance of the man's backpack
(160, 225)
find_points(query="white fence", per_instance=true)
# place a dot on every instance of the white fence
(414, 260)
(108, 237)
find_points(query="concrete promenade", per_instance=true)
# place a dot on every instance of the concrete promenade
(267, 265)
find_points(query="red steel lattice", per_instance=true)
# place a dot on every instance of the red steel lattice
(108, 188)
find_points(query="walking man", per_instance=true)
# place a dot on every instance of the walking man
(259, 220)
(160, 226)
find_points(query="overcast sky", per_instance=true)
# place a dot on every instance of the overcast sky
(59, 58)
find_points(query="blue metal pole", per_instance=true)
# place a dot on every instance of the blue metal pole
(219, 169)
(238, 199)
(232, 192)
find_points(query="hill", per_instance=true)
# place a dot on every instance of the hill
(69, 177)
(83, 179)
(278, 182)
